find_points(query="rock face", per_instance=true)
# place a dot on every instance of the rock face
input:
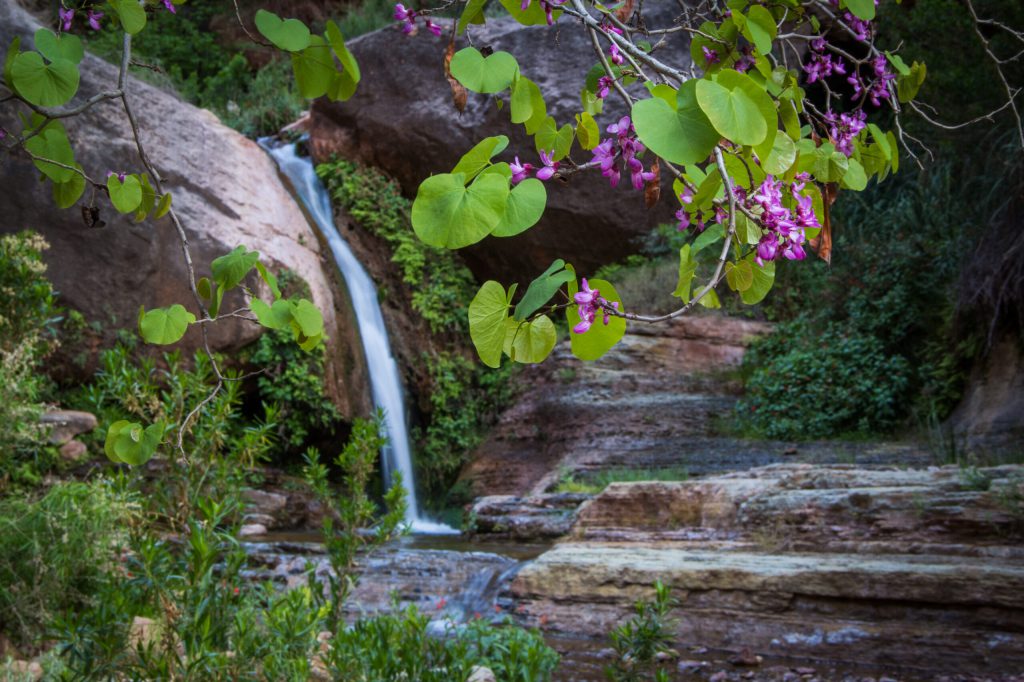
(990, 418)
(889, 567)
(402, 120)
(225, 189)
(538, 517)
(653, 402)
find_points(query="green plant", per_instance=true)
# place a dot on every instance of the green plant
(638, 641)
(593, 483)
(28, 306)
(56, 550)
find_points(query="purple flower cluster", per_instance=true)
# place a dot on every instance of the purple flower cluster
(407, 17)
(614, 55)
(589, 303)
(785, 227)
(604, 84)
(710, 56)
(746, 59)
(861, 27)
(67, 16)
(521, 171)
(684, 217)
(822, 65)
(626, 146)
(844, 127)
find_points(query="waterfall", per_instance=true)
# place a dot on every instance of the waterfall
(385, 381)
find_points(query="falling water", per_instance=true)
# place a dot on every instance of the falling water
(385, 380)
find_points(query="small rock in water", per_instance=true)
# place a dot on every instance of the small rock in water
(606, 653)
(746, 658)
(691, 666)
(804, 671)
(667, 655)
(720, 676)
(252, 529)
(699, 650)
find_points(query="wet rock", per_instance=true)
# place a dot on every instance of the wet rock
(990, 418)
(691, 667)
(525, 518)
(225, 190)
(73, 451)
(746, 658)
(64, 425)
(252, 530)
(482, 674)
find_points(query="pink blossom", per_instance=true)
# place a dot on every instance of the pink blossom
(94, 19)
(550, 166)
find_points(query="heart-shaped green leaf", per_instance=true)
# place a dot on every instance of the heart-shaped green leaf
(473, 14)
(308, 318)
(125, 196)
(65, 194)
(64, 46)
(487, 328)
(526, 100)
(763, 279)
(276, 316)
(682, 134)
(45, 85)
(128, 443)
(290, 35)
(760, 28)
(587, 131)
(687, 269)
(731, 111)
(448, 213)
(131, 14)
(52, 143)
(862, 9)
(314, 69)
(554, 140)
(230, 269)
(529, 342)
(782, 157)
(523, 209)
(163, 326)
(739, 276)
(345, 82)
(488, 75)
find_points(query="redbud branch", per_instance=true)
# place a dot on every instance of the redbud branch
(43, 159)
(258, 41)
(1010, 93)
(607, 67)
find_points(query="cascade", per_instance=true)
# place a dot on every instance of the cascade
(385, 380)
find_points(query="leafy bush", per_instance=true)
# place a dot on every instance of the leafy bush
(814, 385)
(638, 641)
(27, 301)
(55, 551)
(293, 380)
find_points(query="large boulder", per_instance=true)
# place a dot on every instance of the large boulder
(226, 192)
(402, 120)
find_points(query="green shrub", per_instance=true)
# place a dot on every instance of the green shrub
(27, 301)
(55, 551)
(638, 641)
(805, 384)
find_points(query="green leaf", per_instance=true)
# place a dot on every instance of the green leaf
(521, 100)
(523, 209)
(230, 269)
(65, 46)
(128, 443)
(163, 206)
(307, 318)
(13, 51)
(52, 143)
(45, 85)
(829, 165)
(587, 131)
(710, 300)
(739, 276)
(290, 35)
(760, 28)
(148, 199)
(542, 289)
(449, 214)
(269, 278)
(275, 316)
(529, 342)
(473, 14)
(344, 83)
(681, 135)
(487, 328)
(855, 178)
(707, 237)
(862, 9)
(314, 69)
(782, 157)
(66, 194)
(162, 326)
(131, 14)
(600, 338)
(763, 278)
(687, 269)
(908, 86)
(731, 110)
(204, 288)
(532, 15)
(126, 196)
(479, 157)
(556, 141)
(487, 75)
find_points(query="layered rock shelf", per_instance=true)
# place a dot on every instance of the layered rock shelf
(908, 570)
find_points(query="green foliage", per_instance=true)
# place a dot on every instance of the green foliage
(441, 285)
(464, 401)
(815, 385)
(393, 647)
(55, 550)
(27, 302)
(639, 640)
(582, 482)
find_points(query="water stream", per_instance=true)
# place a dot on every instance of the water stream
(385, 379)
